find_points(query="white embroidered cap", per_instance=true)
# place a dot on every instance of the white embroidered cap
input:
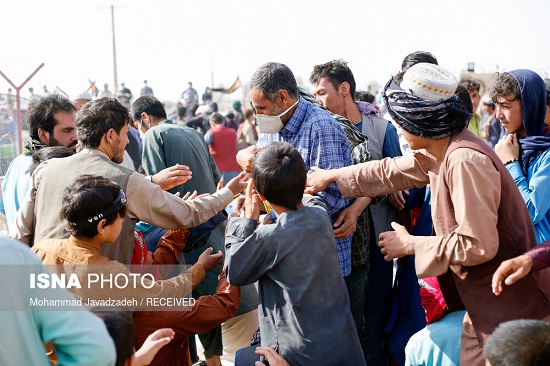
(429, 82)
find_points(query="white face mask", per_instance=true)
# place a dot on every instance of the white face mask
(271, 124)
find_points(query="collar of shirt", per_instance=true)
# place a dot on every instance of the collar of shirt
(293, 125)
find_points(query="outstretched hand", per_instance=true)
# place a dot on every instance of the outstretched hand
(171, 177)
(152, 344)
(318, 180)
(209, 260)
(511, 271)
(235, 184)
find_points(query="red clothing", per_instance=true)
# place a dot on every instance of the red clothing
(224, 149)
(208, 312)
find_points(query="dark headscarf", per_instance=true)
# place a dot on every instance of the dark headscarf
(533, 110)
(424, 118)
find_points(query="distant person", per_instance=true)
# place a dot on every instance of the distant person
(207, 96)
(124, 95)
(473, 88)
(82, 99)
(239, 117)
(247, 134)
(105, 93)
(45, 91)
(230, 121)
(8, 103)
(146, 90)
(190, 95)
(492, 128)
(222, 144)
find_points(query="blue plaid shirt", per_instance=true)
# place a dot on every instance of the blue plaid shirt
(322, 143)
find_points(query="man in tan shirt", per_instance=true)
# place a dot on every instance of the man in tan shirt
(102, 127)
(476, 229)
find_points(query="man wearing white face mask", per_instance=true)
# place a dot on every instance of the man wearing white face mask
(283, 116)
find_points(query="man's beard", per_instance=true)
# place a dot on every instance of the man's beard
(54, 142)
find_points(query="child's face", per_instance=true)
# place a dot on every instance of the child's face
(113, 231)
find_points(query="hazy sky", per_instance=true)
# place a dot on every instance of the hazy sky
(174, 41)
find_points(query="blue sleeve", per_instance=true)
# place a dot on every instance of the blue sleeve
(79, 337)
(391, 146)
(535, 193)
(208, 138)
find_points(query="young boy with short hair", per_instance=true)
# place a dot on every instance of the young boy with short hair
(94, 208)
(304, 306)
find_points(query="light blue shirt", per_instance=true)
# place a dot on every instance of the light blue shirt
(15, 186)
(79, 337)
(438, 343)
(535, 190)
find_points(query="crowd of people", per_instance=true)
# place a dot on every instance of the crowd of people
(331, 227)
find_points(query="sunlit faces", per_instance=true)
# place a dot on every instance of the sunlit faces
(64, 132)
(329, 97)
(415, 142)
(476, 98)
(262, 105)
(119, 144)
(112, 231)
(510, 114)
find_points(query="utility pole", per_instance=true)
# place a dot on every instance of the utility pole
(18, 101)
(115, 87)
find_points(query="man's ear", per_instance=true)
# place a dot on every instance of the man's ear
(43, 136)
(282, 97)
(109, 135)
(344, 89)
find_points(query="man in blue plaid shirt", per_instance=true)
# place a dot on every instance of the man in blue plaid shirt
(284, 116)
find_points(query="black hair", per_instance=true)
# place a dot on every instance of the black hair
(97, 117)
(41, 114)
(85, 199)
(504, 86)
(150, 105)
(519, 342)
(47, 153)
(181, 111)
(547, 87)
(470, 85)
(365, 96)
(412, 59)
(464, 96)
(279, 173)
(272, 77)
(336, 71)
(121, 329)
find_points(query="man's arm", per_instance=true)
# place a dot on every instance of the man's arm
(475, 239)
(148, 202)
